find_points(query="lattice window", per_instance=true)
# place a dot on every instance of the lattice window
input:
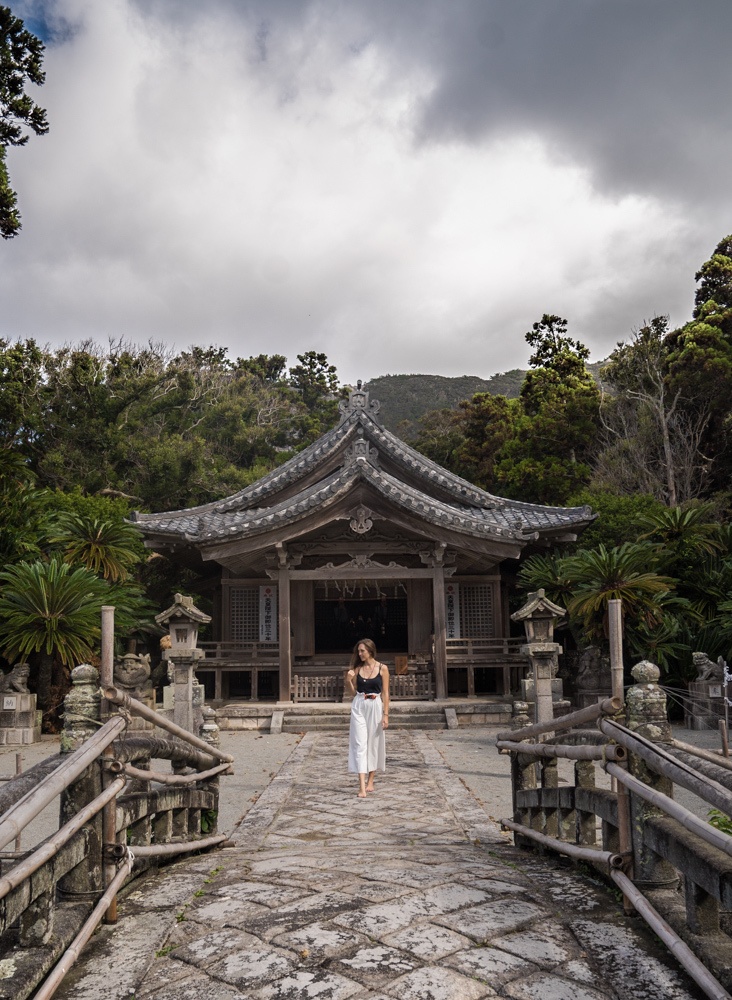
(244, 611)
(476, 610)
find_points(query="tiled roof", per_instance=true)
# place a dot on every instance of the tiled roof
(361, 439)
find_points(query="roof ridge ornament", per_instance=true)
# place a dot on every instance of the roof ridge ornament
(358, 402)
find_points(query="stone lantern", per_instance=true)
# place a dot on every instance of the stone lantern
(183, 619)
(539, 616)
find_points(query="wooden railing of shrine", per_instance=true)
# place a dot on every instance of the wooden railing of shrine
(243, 653)
(117, 816)
(500, 655)
(619, 814)
(416, 686)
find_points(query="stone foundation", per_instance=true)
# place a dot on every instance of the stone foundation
(20, 721)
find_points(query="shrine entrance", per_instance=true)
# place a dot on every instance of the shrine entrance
(341, 622)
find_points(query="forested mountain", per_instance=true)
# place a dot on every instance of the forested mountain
(405, 399)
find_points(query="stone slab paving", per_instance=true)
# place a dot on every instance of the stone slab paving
(409, 894)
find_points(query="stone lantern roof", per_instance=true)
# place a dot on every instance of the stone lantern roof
(183, 608)
(538, 605)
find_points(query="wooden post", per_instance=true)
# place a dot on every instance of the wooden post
(438, 601)
(283, 606)
(109, 813)
(615, 627)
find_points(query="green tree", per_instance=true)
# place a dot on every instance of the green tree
(21, 58)
(487, 423)
(548, 455)
(713, 299)
(315, 382)
(617, 515)
(664, 446)
(441, 438)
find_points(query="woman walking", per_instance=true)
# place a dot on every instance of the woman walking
(369, 683)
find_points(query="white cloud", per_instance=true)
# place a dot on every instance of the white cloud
(210, 182)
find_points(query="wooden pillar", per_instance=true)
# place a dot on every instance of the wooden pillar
(283, 604)
(438, 600)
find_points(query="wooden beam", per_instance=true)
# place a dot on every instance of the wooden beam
(283, 606)
(438, 600)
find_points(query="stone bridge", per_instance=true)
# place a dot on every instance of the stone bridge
(412, 893)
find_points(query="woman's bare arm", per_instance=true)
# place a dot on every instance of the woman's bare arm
(385, 693)
(351, 682)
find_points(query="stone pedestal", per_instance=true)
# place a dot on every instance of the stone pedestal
(560, 704)
(184, 696)
(543, 688)
(705, 705)
(20, 721)
(81, 721)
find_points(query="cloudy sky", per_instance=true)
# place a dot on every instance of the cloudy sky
(406, 185)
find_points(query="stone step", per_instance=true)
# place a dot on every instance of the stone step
(320, 722)
(319, 716)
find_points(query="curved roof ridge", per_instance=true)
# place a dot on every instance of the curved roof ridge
(288, 472)
(320, 494)
(294, 467)
(440, 512)
(414, 460)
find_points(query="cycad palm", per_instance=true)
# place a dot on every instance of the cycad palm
(108, 548)
(683, 533)
(53, 610)
(549, 573)
(625, 573)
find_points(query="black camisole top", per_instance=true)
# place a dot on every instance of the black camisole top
(370, 685)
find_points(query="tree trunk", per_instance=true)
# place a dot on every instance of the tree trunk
(45, 675)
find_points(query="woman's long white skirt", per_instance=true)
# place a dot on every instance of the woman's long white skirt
(366, 742)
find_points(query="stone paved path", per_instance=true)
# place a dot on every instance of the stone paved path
(411, 894)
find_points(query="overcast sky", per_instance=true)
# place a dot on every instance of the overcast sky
(405, 185)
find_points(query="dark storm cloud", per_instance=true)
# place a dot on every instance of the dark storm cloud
(639, 92)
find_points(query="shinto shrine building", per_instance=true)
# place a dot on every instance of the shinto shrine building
(358, 536)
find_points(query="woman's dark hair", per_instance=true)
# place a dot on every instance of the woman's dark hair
(355, 658)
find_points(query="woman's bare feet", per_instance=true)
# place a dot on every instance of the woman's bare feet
(361, 795)
(370, 788)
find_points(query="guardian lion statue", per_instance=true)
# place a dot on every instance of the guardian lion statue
(16, 680)
(706, 669)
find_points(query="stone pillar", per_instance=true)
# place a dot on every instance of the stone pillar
(646, 715)
(81, 718)
(523, 774)
(284, 632)
(544, 664)
(438, 603)
(186, 696)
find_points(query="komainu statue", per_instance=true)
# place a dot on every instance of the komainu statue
(16, 680)
(132, 675)
(706, 669)
(593, 669)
